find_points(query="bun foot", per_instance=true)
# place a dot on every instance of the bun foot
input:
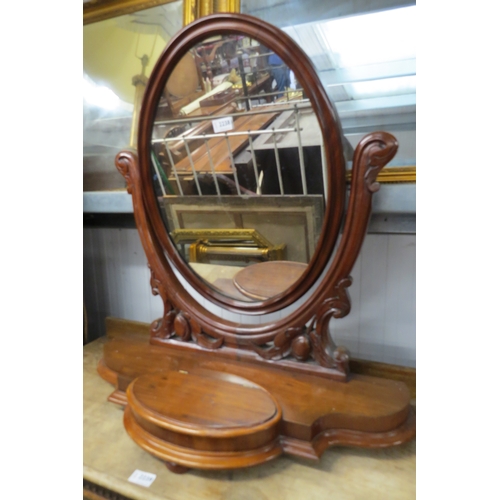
(178, 469)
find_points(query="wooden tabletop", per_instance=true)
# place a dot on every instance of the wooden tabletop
(110, 457)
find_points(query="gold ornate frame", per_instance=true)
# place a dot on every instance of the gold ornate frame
(392, 175)
(99, 10)
(199, 238)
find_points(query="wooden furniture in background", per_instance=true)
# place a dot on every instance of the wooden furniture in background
(184, 85)
(219, 150)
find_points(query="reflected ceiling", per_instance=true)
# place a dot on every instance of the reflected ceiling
(364, 53)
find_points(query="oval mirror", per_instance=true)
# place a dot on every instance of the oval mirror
(245, 162)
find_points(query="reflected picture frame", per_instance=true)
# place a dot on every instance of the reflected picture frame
(100, 10)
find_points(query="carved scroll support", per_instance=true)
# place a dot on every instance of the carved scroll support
(373, 152)
(127, 164)
(298, 342)
(282, 346)
(163, 327)
(325, 352)
(176, 323)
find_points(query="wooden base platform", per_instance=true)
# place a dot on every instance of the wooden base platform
(193, 410)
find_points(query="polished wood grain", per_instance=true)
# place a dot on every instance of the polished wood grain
(267, 279)
(118, 397)
(202, 411)
(347, 473)
(202, 402)
(107, 374)
(384, 370)
(133, 356)
(118, 327)
(203, 418)
(188, 457)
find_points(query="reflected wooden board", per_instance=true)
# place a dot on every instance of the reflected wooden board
(219, 150)
(178, 149)
(110, 457)
(268, 279)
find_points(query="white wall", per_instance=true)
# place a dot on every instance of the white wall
(380, 327)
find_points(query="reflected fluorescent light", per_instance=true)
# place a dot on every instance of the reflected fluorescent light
(382, 88)
(371, 38)
(99, 95)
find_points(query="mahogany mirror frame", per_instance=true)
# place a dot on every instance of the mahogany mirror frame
(183, 316)
(277, 41)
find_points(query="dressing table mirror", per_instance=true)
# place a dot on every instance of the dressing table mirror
(239, 194)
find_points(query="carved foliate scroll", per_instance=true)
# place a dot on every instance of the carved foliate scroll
(178, 324)
(163, 327)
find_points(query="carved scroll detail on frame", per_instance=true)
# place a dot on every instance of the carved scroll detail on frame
(377, 151)
(176, 323)
(315, 342)
(294, 342)
(300, 342)
(204, 340)
(162, 327)
(124, 161)
(282, 345)
(325, 352)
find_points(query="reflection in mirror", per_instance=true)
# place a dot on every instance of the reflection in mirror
(238, 168)
(118, 56)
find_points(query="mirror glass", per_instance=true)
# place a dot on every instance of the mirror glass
(118, 56)
(237, 163)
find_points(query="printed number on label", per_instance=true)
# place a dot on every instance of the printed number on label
(223, 124)
(142, 478)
